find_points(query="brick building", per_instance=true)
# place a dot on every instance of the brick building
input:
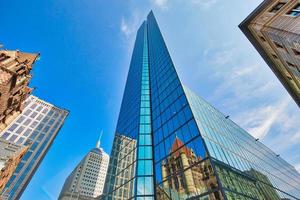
(274, 30)
(15, 67)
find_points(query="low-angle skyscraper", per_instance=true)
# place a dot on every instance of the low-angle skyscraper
(36, 127)
(184, 147)
(86, 181)
(273, 28)
(15, 67)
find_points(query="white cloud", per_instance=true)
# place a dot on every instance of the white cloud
(160, 3)
(130, 24)
(125, 28)
(238, 80)
(257, 101)
(204, 3)
(244, 71)
(259, 121)
(220, 57)
(297, 166)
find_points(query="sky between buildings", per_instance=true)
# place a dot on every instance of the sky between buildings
(85, 51)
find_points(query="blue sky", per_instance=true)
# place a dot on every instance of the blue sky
(85, 51)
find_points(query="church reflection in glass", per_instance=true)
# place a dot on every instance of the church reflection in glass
(186, 174)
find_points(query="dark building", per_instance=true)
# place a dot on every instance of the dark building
(184, 147)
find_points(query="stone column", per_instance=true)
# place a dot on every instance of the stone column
(188, 175)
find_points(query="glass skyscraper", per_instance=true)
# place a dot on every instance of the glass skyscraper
(36, 128)
(171, 144)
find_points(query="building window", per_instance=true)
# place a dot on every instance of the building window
(21, 128)
(5, 135)
(274, 56)
(290, 64)
(21, 139)
(33, 106)
(295, 71)
(3, 57)
(262, 38)
(9, 102)
(13, 127)
(277, 7)
(27, 122)
(45, 110)
(279, 46)
(20, 119)
(39, 108)
(296, 52)
(27, 132)
(12, 138)
(27, 112)
(33, 124)
(33, 114)
(39, 117)
(295, 11)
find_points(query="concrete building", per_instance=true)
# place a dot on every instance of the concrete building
(15, 67)
(10, 156)
(86, 181)
(274, 30)
(36, 127)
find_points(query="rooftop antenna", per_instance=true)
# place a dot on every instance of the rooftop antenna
(99, 140)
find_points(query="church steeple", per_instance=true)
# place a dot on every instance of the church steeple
(99, 140)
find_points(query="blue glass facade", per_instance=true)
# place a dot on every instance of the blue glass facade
(177, 146)
(232, 148)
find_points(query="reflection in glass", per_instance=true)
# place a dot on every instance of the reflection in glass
(186, 175)
(267, 189)
(246, 168)
(119, 180)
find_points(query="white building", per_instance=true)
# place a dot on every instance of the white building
(88, 178)
(36, 128)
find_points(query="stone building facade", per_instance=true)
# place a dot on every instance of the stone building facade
(15, 67)
(274, 30)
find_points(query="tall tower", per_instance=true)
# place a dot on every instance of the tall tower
(184, 147)
(35, 128)
(86, 181)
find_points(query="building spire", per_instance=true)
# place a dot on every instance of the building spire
(99, 140)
